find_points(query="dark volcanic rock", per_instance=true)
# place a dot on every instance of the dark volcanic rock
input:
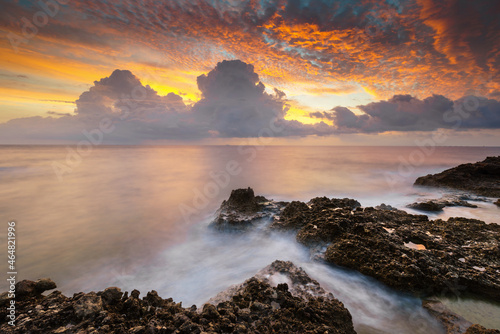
(291, 302)
(477, 329)
(431, 206)
(27, 288)
(407, 252)
(482, 178)
(256, 306)
(436, 205)
(241, 211)
(424, 257)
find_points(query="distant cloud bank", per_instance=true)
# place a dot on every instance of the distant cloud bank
(234, 104)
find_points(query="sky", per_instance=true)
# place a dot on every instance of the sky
(316, 72)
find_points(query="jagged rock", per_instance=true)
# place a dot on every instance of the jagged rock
(384, 206)
(477, 329)
(431, 206)
(44, 284)
(283, 273)
(111, 295)
(25, 288)
(256, 307)
(87, 305)
(135, 294)
(242, 211)
(405, 251)
(424, 257)
(287, 299)
(293, 215)
(482, 178)
(153, 299)
(334, 203)
(4, 299)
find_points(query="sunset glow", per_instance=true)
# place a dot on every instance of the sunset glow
(321, 54)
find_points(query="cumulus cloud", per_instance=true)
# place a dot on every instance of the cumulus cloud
(235, 104)
(407, 113)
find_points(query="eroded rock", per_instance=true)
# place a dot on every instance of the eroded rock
(482, 178)
(243, 210)
(255, 307)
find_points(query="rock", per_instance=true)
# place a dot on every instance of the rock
(477, 329)
(304, 311)
(210, 312)
(497, 203)
(283, 275)
(111, 296)
(243, 200)
(25, 288)
(334, 203)
(88, 305)
(431, 206)
(453, 323)
(482, 178)
(436, 205)
(294, 215)
(242, 211)
(135, 294)
(384, 206)
(153, 299)
(261, 304)
(4, 299)
(44, 284)
(405, 251)
(425, 257)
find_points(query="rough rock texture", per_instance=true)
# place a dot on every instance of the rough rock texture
(482, 178)
(255, 307)
(436, 205)
(242, 210)
(407, 252)
(279, 272)
(477, 329)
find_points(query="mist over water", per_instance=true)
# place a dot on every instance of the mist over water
(117, 220)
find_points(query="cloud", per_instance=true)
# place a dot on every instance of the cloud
(445, 47)
(234, 104)
(407, 113)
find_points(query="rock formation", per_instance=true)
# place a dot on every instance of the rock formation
(482, 178)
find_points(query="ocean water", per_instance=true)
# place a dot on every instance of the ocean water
(136, 217)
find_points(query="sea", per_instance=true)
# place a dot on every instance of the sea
(137, 217)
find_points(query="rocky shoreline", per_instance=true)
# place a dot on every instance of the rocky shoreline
(404, 251)
(259, 305)
(481, 178)
(407, 252)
